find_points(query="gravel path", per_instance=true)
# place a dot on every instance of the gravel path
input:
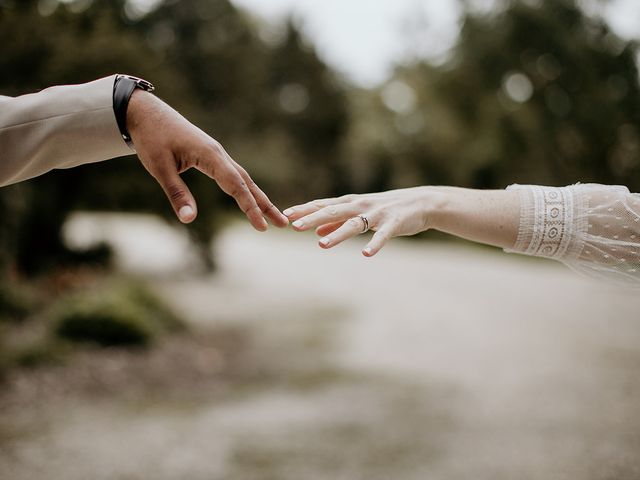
(430, 361)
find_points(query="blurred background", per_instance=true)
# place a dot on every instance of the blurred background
(134, 347)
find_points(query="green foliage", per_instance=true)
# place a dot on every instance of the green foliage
(44, 352)
(16, 302)
(208, 61)
(162, 316)
(125, 315)
(105, 324)
(311, 108)
(54, 323)
(532, 93)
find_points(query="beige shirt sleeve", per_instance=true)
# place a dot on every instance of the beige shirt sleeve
(59, 127)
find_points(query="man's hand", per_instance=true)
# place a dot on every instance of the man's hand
(167, 145)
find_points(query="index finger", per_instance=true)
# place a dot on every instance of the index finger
(302, 210)
(266, 206)
(215, 164)
(232, 183)
(330, 214)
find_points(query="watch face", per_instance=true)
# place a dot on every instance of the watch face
(140, 83)
(148, 86)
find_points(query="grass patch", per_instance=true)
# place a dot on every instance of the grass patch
(120, 314)
(39, 328)
(45, 352)
(17, 301)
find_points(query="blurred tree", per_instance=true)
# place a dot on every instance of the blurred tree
(42, 44)
(533, 92)
(206, 59)
(296, 122)
(311, 107)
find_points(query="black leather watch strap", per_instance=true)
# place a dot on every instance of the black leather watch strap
(123, 88)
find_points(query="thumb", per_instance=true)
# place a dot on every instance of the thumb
(181, 199)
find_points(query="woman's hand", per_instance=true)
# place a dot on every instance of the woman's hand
(484, 216)
(390, 214)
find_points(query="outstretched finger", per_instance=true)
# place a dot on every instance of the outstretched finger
(330, 214)
(299, 211)
(232, 183)
(216, 164)
(266, 206)
(352, 227)
(379, 240)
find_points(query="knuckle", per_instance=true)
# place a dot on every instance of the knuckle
(377, 213)
(242, 172)
(198, 153)
(212, 169)
(204, 160)
(183, 163)
(176, 192)
(363, 203)
(394, 220)
(377, 218)
(353, 222)
(332, 211)
(217, 148)
(238, 187)
(212, 155)
(348, 198)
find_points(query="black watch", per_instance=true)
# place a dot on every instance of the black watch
(123, 88)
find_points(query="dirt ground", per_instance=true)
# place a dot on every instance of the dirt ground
(429, 361)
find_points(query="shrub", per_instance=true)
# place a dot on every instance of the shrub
(44, 352)
(114, 315)
(16, 302)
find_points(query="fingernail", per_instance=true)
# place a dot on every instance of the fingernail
(288, 212)
(185, 213)
(298, 224)
(367, 251)
(324, 241)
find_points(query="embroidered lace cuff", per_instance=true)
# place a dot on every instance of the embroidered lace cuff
(594, 229)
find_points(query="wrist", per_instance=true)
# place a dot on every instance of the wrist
(437, 205)
(138, 104)
(124, 88)
(485, 216)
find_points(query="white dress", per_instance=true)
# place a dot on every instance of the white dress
(594, 229)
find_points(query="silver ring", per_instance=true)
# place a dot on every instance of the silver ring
(365, 223)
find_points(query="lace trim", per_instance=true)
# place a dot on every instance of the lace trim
(547, 221)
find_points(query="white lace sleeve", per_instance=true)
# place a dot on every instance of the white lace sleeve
(594, 229)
